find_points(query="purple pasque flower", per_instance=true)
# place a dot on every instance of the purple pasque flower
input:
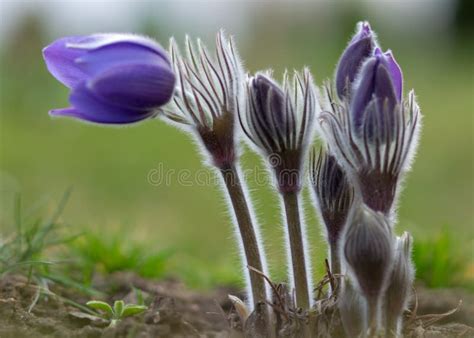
(377, 92)
(359, 48)
(114, 78)
(278, 121)
(374, 131)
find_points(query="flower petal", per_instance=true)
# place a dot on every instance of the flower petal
(363, 31)
(103, 58)
(69, 111)
(350, 63)
(96, 41)
(91, 108)
(396, 73)
(363, 91)
(138, 86)
(384, 88)
(359, 48)
(60, 61)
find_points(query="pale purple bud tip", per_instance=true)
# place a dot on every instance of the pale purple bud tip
(270, 100)
(376, 92)
(114, 78)
(359, 48)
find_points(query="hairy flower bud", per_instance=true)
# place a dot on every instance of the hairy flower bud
(401, 280)
(279, 122)
(333, 195)
(114, 78)
(374, 131)
(368, 251)
(359, 48)
(209, 92)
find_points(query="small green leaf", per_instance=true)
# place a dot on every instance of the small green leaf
(102, 306)
(118, 308)
(132, 309)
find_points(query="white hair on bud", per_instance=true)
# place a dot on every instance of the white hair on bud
(401, 281)
(367, 158)
(367, 252)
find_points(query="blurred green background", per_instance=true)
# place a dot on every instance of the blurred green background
(108, 168)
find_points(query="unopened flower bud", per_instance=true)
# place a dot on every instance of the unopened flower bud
(401, 280)
(368, 250)
(333, 196)
(279, 121)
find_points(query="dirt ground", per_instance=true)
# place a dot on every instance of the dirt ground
(175, 311)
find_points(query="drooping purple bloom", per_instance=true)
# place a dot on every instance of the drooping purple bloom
(359, 48)
(376, 93)
(114, 78)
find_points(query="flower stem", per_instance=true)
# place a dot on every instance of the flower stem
(247, 232)
(335, 266)
(298, 261)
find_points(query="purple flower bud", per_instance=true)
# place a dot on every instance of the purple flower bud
(333, 195)
(114, 78)
(376, 93)
(279, 122)
(360, 47)
(368, 250)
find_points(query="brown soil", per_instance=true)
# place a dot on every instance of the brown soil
(176, 311)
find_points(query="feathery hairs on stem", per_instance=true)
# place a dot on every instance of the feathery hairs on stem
(333, 195)
(378, 155)
(278, 122)
(208, 95)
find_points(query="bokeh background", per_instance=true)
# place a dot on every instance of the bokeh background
(109, 168)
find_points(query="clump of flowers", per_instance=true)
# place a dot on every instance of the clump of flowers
(369, 132)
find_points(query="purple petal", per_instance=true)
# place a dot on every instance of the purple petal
(270, 100)
(359, 48)
(69, 111)
(103, 58)
(139, 86)
(363, 91)
(350, 63)
(363, 31)
(384, 88)
(396, 74)
(60, 61)
(90, 108)
(96, 41)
